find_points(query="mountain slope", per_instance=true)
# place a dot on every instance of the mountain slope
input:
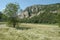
(37, 9)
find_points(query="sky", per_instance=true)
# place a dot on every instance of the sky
(25, 3)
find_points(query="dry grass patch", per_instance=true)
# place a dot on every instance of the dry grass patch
(36, 32)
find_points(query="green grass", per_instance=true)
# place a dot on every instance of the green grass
(30, 32)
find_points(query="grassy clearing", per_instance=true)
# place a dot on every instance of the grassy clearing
(30, 32)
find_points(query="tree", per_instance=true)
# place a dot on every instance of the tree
(59, 20)
(59, 17)
(1, 16)
(11, 11)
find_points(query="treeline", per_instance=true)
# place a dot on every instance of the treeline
(3, 17)
(50, 18)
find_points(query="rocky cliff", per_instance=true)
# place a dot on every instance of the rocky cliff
(35, 10)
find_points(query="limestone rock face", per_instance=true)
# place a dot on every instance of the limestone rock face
(36, 10)
(24, 14)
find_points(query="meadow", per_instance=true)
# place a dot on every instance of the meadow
(28, 31)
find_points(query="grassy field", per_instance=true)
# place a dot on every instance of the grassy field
(30, 32)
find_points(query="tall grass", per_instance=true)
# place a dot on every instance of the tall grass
(34, 32)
